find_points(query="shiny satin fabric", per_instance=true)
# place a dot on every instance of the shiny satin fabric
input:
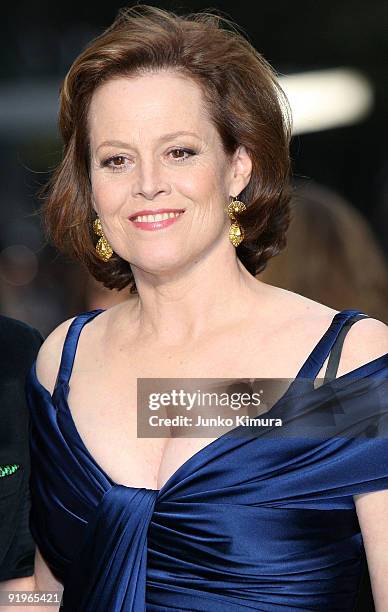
(261, 522)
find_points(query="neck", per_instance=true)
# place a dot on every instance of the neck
(186, 304)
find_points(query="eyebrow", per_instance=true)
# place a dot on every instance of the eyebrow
(121, 143)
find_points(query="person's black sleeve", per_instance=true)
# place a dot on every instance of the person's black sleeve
(19, 345)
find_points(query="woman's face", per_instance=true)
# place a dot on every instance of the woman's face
(154, 147)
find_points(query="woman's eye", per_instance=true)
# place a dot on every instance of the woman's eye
(116, 163)
(181, 153)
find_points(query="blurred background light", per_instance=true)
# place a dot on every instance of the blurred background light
(325, 99)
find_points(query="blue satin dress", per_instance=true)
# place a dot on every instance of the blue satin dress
(246, 523)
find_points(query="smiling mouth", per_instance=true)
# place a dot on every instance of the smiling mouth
(152, 223)
(157, 217)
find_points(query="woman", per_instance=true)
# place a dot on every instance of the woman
(168, 114)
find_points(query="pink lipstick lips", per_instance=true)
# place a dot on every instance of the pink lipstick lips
(151, 220)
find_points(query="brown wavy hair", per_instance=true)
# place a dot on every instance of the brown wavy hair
(245, 103)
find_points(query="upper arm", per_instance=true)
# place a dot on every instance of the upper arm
(17, 584)
(49, 355)
(27, 583)
(372, 512)
(47, 366)
(42, 580)
(365, 341)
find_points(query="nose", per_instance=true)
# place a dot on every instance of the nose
(150, 180)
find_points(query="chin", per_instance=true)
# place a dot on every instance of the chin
(160, 262)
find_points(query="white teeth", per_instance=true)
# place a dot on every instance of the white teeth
(158, 217)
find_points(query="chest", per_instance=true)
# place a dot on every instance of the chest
(104, 393)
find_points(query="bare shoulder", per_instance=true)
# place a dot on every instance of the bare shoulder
(49, 355)
(366, 340)
(304, 314)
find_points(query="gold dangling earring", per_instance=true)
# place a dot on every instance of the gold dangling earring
(236, 231)
(103, 248)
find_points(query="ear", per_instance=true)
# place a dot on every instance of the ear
(241, 170)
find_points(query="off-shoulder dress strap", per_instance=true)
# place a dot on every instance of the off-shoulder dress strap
(335, 353)
(319, 354)
(70, 344)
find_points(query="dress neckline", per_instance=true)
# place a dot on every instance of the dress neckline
(321, 349)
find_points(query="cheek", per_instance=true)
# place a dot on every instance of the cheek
(109, 195)
(204, 184)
